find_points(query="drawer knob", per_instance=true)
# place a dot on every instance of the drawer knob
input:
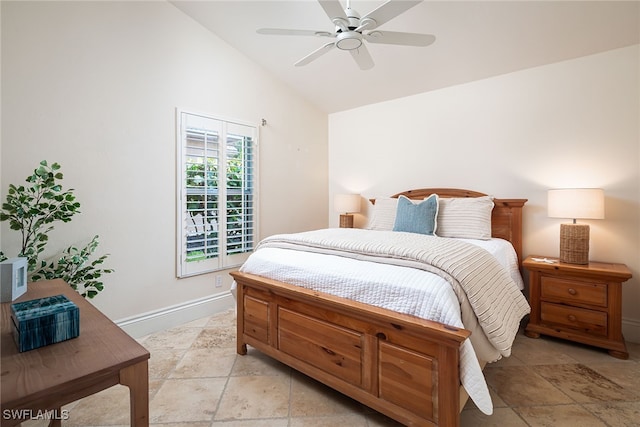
(571, 318)
(572, 291)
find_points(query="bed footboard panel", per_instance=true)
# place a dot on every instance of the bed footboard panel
(402, 366)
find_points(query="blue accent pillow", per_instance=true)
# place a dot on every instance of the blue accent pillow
(417, 217)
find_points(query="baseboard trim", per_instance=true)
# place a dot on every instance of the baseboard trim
(169, 317)
(175, 315)
(631, 330)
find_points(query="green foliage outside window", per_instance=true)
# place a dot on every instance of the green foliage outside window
(202, 185)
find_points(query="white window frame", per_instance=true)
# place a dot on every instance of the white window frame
(187, 122)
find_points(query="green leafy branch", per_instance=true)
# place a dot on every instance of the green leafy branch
(32, 209)
(72, 267)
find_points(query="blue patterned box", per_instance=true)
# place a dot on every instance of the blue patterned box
(44, 321)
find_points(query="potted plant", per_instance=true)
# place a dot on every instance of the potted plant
(32, 210)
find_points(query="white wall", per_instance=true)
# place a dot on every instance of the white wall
(94, 86)
(570, 124)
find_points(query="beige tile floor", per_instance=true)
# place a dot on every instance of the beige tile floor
(197, 380)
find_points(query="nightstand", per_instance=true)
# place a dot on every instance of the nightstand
(580, 303)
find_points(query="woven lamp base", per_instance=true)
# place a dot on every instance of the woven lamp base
(346, 221)
(574, 243)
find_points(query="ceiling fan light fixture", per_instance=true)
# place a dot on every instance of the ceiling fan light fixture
(351, 31)
(349, 41)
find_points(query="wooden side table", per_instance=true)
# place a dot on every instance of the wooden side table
(49, 377)
(580, 303)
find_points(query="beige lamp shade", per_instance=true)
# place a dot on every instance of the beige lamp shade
(575, 203)
(346, 204)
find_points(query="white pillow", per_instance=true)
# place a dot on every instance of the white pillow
(465, 217)
(383, 214)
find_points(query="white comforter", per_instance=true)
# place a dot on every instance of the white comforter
(414, 291)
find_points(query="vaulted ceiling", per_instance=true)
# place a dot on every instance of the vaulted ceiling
(474, 40)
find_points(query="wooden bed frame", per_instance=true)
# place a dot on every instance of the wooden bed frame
(402, 366)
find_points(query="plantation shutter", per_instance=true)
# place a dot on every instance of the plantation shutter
(216, 208)
(240, 192)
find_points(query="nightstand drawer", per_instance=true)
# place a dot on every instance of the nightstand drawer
(589, 321)
(571, 291)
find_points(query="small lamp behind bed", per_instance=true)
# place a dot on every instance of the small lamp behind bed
(346, 204)
(575, 203)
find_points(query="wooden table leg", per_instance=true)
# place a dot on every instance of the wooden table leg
(136, 377)
(56, 421)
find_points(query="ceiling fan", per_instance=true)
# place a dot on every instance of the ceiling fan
(351, 31)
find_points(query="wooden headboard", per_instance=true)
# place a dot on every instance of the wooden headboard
(506, 217)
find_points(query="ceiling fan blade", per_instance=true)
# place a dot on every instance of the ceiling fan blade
(362, 57)
(286, 32)
(388, 11)
(333, 9)
(394, 37)
(315, 54)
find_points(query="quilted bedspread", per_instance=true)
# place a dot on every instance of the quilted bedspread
(462, 274)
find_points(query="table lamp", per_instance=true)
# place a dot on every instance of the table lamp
(346, 204)
(575, 203)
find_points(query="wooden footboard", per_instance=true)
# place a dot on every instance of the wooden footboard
(402, 366)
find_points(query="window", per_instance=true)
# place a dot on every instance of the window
(217, 193)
